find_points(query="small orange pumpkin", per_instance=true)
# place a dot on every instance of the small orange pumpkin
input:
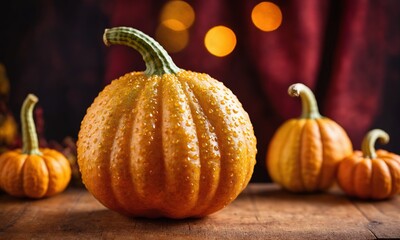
(370, 174)
(33, 172)
(165, 142)
(304, 153)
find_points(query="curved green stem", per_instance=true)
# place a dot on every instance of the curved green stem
(368, 143)
(309, 103)
(157, 60)
(29, 136)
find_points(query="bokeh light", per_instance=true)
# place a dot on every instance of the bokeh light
(173, 41)
(175, 18)
(177, 15)
(266, 16)
(220, 41)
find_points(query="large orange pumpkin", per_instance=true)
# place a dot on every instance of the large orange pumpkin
(370, 174)
(304, 152)
(165, 142)
(32, 171)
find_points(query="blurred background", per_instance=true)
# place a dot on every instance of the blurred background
(347, 52)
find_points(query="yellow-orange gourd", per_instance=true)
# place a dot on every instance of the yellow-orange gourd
(304, 152)
(32, 171)
(370, 174)
(165, 142)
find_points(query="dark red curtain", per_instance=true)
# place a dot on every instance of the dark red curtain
(348, 52)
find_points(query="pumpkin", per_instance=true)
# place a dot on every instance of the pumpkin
(32, 171)
(165, 142)
(369, 173)
(304, 152)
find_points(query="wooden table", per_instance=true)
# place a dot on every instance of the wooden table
(262, 211)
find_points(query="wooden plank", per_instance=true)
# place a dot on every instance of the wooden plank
(308, 216)
(262, 211)
(383, 217)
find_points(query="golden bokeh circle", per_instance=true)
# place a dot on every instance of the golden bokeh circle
(173, 41)
(177, 11)
(266, 16)
(220, 41)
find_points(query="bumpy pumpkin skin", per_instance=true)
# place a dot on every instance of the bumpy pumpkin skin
(304, 153)
(374, 177)
(172, 145)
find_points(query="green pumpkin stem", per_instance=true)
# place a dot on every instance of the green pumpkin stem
(157, 60)
(368, 143)
(29, 136)
(309, 103)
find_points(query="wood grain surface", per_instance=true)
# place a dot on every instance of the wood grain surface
(262, 211)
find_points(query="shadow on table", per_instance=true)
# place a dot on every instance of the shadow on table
(107, 221)
(273, 192)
